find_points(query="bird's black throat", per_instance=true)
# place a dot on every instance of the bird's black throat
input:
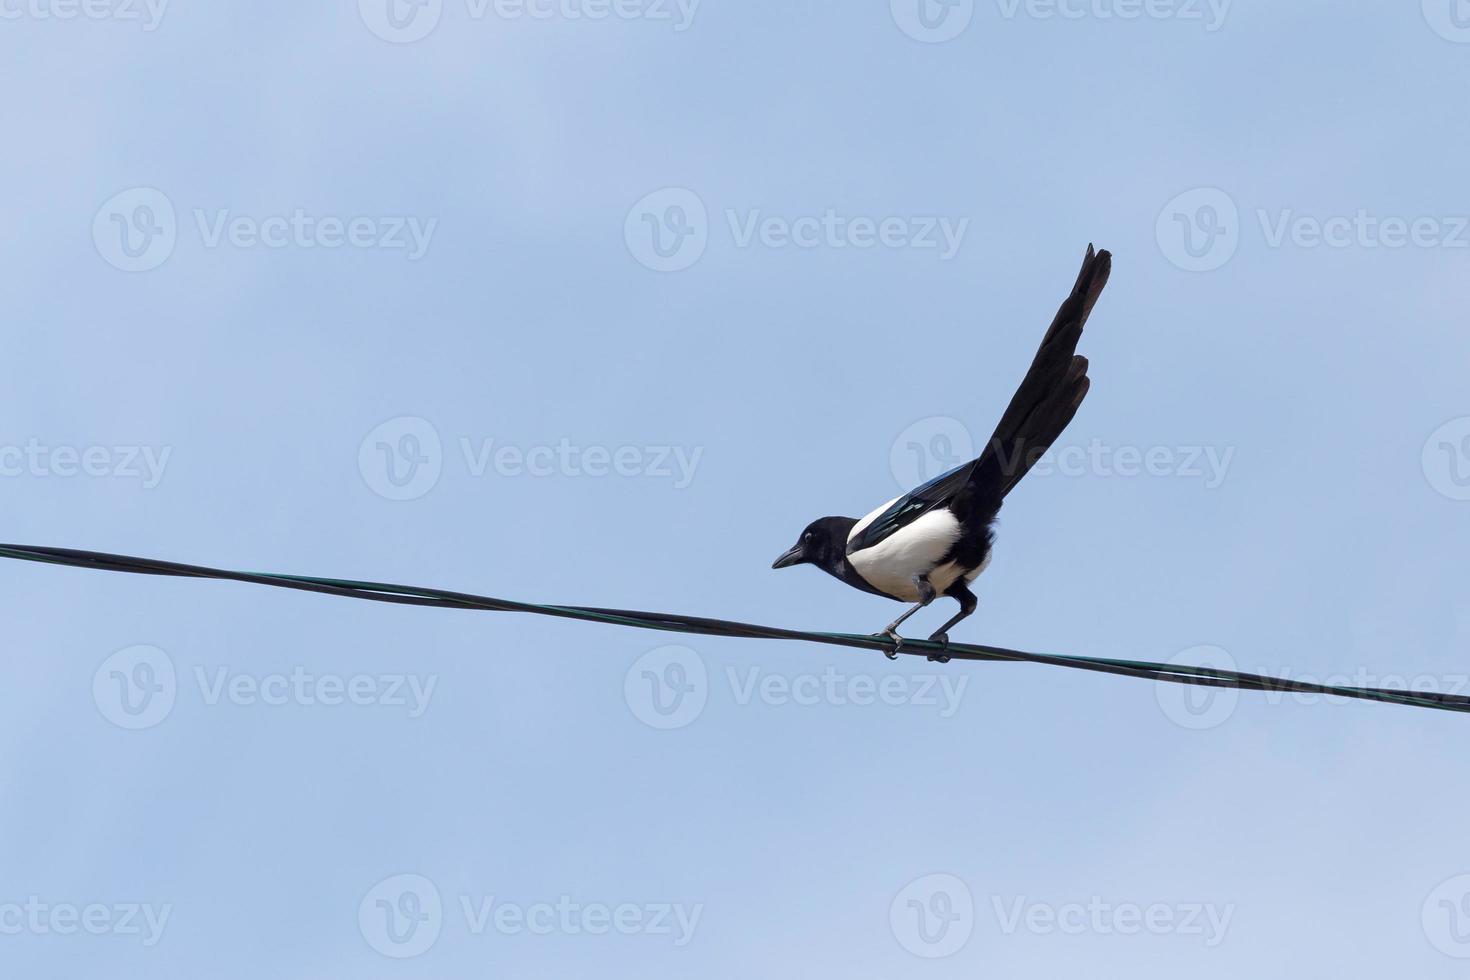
(826, 548)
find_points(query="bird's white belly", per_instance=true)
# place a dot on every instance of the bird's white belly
(918, 549)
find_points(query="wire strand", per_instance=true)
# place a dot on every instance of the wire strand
(698, 625)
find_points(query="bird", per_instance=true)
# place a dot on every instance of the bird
(936, 539)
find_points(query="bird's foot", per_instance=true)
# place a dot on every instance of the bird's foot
(942, 657)
(891, 634)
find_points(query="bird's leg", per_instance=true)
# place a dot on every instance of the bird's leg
(926, 596)
(960, 592)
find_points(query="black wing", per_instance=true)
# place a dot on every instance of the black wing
(1048, 396)
(1041, 408)
(911, 506)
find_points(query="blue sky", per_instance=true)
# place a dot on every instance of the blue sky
(601, 302)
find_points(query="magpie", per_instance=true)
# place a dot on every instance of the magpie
(936, 540)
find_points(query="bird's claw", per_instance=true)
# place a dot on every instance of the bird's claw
(942, 657)
(897, 643)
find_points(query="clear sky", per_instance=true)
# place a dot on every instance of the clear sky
(601, 301)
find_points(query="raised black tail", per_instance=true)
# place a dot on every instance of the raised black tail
(1049, 395)
(1040, 409)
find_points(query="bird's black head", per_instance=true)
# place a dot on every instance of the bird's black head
(823, 543)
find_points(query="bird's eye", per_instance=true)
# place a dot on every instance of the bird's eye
(807, 536)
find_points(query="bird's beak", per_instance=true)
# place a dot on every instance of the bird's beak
(792, 557)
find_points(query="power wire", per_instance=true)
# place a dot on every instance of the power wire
(697, 625)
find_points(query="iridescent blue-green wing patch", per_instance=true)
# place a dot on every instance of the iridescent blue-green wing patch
(911, 506)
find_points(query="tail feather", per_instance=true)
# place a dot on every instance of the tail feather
(1049, 395)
